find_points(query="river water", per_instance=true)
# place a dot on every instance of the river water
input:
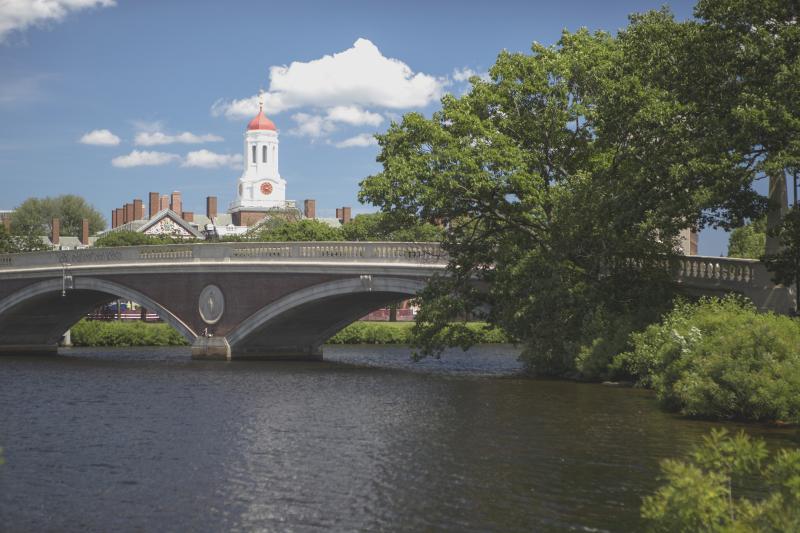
(149, 440)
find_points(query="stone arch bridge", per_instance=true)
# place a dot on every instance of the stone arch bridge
(260, 300)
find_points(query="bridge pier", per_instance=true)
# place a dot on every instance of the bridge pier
(214, 348)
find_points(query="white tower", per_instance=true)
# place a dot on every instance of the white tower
(260, 186)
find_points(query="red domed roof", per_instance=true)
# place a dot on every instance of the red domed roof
(261, 122)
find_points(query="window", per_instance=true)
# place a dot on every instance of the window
(264, 154)
(254, 153)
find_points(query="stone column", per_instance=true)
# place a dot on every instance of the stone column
(778, 206)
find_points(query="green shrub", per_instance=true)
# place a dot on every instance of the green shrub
(706, 492)
(720, 358)
(124, 334)
(401, 333)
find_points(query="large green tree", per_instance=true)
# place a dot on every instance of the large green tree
(35, 215)
(748, 241)
(563, 181)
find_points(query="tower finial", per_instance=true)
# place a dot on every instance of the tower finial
(260, 99)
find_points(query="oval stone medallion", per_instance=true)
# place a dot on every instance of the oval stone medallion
(211, 304)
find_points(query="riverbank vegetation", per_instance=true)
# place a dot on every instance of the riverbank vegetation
(124, 334)
(730, 483)
(719, 358)
(136, 333)
(401, 333)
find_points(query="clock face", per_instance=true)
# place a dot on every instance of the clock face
(266, 188)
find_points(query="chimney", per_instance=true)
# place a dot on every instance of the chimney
(175, 202)
(114, 218)
(85, 232)
(310, 208)
(138, 209)
(55, 235)
(153, 201)
(345, 215)
(120, 216)
(163, 203)
(188, 216)
(211, 207)
(129, 213)
(339, 213)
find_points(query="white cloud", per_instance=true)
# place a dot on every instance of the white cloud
(207, 159)
(138, 158)
(359, 141)
(100, 138)
(360, 75)
(353, 115)
(316, 126)
(153, 138)
(313, 126)
(21, 14)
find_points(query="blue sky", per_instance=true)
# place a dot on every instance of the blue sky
(174, 83)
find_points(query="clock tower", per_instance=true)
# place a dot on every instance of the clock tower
(260, 187)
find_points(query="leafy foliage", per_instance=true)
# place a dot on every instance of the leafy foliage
(302, 230)
(400, 333)
(124, 334)
(720, 358)
(383, 227)
(10, 244)
(35, 216)
(748, 241)
(706, 492)
(365, 227)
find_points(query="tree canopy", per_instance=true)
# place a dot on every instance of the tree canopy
(564, 179)
(34, 216)
(748, 241)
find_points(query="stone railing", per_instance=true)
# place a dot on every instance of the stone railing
(717, 270)
(312, 252)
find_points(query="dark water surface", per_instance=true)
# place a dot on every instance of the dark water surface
(148, 440)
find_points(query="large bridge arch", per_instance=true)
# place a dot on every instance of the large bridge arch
(299, 323)
(34, 318)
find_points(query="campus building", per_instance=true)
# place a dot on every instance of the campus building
(260, 195)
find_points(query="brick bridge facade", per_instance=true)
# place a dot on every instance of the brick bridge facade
(261, 300)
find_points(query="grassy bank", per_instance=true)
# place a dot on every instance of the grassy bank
(125, 334)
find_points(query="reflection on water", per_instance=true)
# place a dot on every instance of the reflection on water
(150, 440)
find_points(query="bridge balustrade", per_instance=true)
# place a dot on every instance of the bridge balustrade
(376, 252)
(717, 269)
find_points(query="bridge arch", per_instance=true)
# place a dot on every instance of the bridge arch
(27, 314)
(311, 315)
